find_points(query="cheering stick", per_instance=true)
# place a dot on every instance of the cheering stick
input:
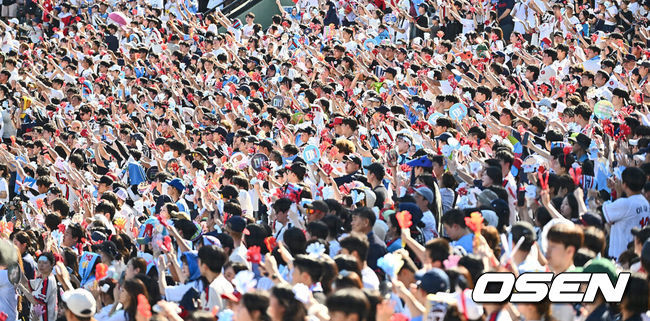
(542, 174)
(475, 223)
(508, 256)
(404, 221)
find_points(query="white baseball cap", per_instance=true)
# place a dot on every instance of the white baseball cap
(14, 21)
(80, 302)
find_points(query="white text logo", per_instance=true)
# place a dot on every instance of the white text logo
(564, 287)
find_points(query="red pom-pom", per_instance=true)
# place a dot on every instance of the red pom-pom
(270, 243)
(404, 219)
(100, 271)
(253, 255)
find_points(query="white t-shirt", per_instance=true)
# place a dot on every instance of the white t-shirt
(350, 46)
(404, 25)
(634, 7)
(468, 25)
(218, 287)
(545, 74)
(369, 278)
(103, 314)
(117, 316)
(521, 11)
(430, 228)
(176, 293)
(592, 64)
(4, 188)
(8, 297)
(248, 30)
(624, 214)
(239, 255)
(245, 201)
(610, 13)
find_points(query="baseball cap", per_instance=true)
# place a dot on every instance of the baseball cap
(433, 281)
(377, 169)
(490, 217)
(423, 161)
(353, 158)
(385, 215)
(582, 140)
(643, 234)
(236, 223)
(307, 130)
(336, 121)
(109, 248)
(80, 302)
(645, 252)
(601, 265)
(426, 193)
(444, 136)
(416, 212)
(177, 184)
(298, 168)
(107, 180)
(487, 196)
(318, 205)
(591, 219)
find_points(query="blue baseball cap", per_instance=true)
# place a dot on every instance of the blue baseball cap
(426, 193)
(236, 223)
(423, 161)
(433, 281)
(444, 137)
(177, 184)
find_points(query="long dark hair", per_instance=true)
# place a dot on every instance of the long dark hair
(573, 204)
(70, 258)
(294, 310)
(256, 301)
(134, 287)
(24, 238)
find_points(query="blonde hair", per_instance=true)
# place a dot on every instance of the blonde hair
(345, 146)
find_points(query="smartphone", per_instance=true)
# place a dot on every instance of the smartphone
(521, 196)
(524, 141)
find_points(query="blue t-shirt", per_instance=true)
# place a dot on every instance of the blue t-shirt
(466, 242)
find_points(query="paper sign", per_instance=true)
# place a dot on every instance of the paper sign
(433, 117)
(311, 154)
(458, 111)
(604, 109)
(531, 191)
(258, 161)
